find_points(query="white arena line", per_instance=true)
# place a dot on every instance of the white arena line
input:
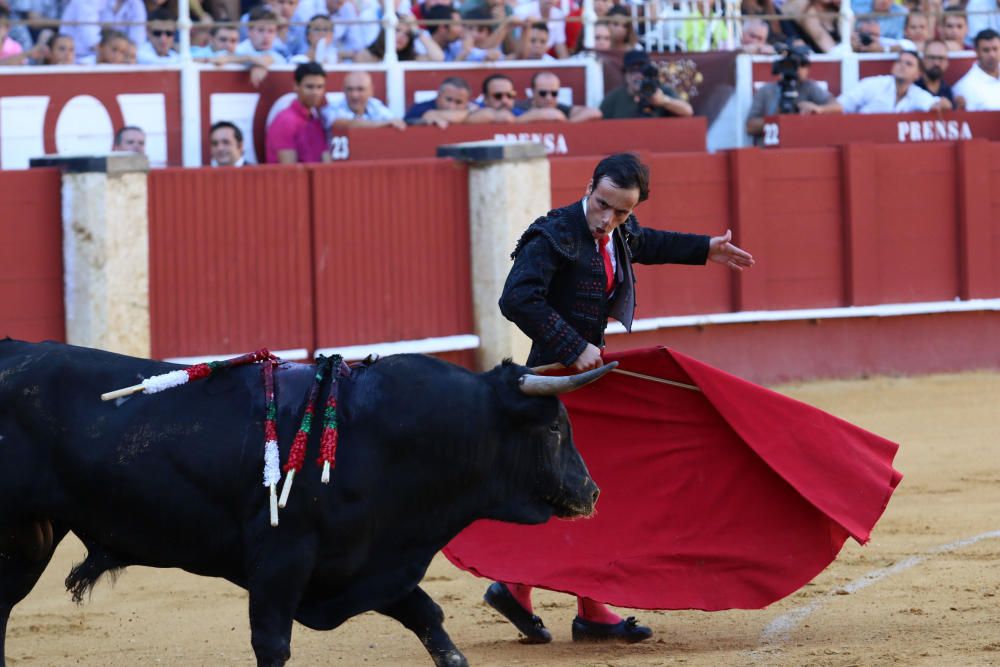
(780, 629)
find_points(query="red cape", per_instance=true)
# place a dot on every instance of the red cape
(729, 497)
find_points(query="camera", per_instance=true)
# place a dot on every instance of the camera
(787, 67)
(650, 84)
(865, 38)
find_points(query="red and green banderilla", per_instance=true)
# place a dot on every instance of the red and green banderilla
(173, 379)
(328, 439)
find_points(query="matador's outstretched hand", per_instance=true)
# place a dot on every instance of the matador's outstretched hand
(722, 251)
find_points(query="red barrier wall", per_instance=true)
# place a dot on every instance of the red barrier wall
(391, 251)
(230, 260)
(308, 257)
(857, 225)
(31, 267)
(979, 208)
(336, 255)
(787, 212)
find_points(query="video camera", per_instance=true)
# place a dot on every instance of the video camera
(650, 84)
(787, 67)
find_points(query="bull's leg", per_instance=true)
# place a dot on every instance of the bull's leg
(418, 612)
(23, 558)
(277, 578)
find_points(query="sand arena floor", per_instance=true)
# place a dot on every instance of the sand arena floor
(925, 591)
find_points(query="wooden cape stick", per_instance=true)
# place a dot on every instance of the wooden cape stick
(673, 383)
(118, 393)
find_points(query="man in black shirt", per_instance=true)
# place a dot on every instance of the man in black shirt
(935, 65)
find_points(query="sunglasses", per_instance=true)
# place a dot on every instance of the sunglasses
(161, 33)
(500, 96)
(547, 93)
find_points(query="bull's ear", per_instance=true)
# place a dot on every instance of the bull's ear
(540, 385)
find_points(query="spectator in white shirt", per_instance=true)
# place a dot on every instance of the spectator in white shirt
(980, 87)
(893, 93)
(358, 108)
(261, 35)
(159, 50)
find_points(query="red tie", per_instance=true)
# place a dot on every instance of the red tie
(606, 256)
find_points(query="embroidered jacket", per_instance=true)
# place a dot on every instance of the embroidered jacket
(555, 291)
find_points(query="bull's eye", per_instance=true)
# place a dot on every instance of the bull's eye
(555, 428)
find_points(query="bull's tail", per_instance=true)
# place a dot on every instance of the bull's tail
(85, 575)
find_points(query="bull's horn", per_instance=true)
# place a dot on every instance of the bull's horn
(539, 385)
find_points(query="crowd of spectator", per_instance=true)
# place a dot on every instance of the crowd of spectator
(916, 83)
(331, 31)
(42, 32)
(304, 131)
(318, 33)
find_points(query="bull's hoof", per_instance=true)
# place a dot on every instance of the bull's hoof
(453, 658)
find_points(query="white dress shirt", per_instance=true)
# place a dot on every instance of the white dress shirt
(877, 94)
(980, 90)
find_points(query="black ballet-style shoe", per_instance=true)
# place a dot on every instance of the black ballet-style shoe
(627, 631)
(531, 626)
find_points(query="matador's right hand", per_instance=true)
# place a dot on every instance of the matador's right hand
(588, 360)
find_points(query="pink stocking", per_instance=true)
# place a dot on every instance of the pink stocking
(522, 594)
(597, 612)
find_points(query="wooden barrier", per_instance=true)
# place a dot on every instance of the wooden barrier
(828, 72)
(793, 131)
(230, 256)
(391, 252)
(31, 263)
(666, 135)
(368, 253)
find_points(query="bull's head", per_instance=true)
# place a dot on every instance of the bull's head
(549, 476)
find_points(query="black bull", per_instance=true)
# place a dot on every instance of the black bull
(175, 480)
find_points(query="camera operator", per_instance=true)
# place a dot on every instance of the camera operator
(793, 92)
(642, 95)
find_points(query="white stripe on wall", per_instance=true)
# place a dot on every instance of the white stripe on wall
(748, 316)
(421, 346)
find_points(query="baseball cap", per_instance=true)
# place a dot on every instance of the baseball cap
(636, 59)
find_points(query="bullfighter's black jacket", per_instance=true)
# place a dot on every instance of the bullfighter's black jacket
(555, 291)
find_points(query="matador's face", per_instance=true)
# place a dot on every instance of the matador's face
(609, 206)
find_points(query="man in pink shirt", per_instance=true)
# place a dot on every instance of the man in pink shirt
(297, 134)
